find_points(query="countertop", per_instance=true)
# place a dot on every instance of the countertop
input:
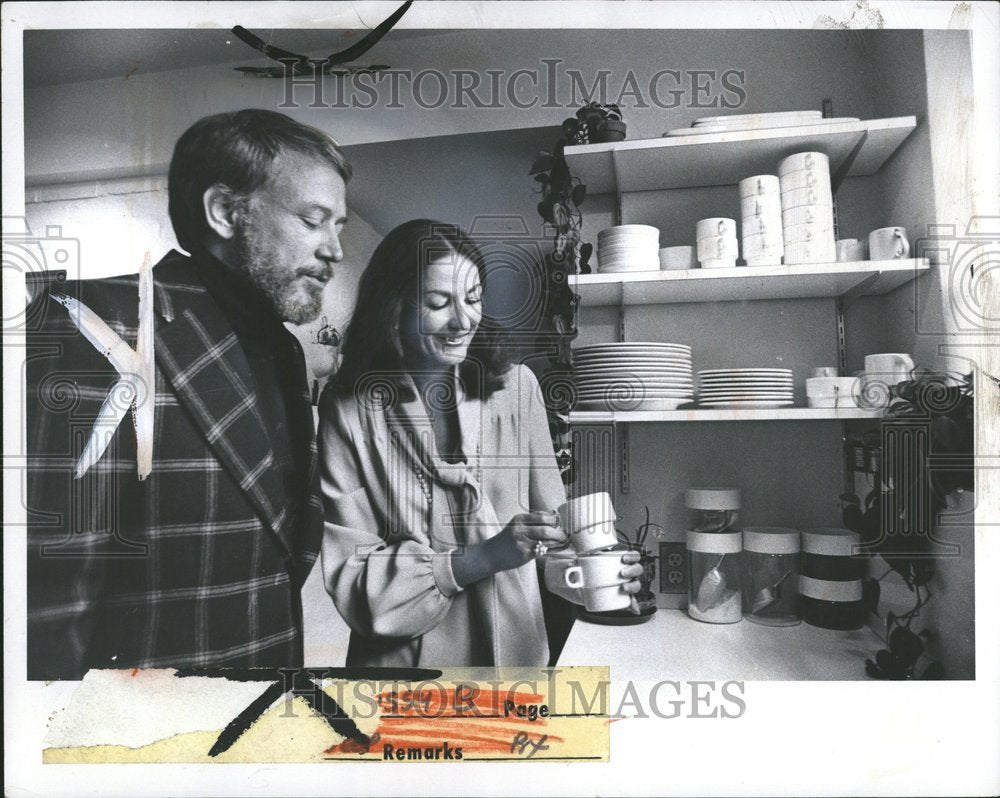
(674, 646)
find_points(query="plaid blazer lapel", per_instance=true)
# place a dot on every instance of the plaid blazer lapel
(198, 353)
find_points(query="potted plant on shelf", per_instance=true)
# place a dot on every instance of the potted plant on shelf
(943, 407)
(601, 123)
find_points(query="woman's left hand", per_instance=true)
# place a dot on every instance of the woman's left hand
(632, 571)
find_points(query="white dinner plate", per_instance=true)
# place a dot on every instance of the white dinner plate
(631, 346)
(596, 393)
(715, 120)
(655, 372)
(735, 372)
(747, 403)
(641, 404)
(751, 384)
(742, 128)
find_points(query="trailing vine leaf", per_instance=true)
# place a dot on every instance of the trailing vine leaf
(543, 163)
(579, 193)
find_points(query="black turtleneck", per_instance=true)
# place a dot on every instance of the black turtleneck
(278, 368)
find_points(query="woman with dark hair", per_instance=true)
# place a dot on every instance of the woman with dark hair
(439, 480)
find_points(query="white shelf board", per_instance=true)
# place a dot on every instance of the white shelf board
(722, 159)
(745, 282)
(723, 414)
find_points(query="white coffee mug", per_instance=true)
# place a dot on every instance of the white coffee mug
(598, 577)
(589, 521)
(716, 226)
(759, 185)
(681, 257)
(850, 250)
(888, 243)
(806, 178)
(889, 367)
(760, 205)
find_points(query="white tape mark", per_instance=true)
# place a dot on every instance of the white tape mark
(137, 387)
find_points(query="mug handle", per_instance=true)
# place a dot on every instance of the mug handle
(903, 249)
(573, 576)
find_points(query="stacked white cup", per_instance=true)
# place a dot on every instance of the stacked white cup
(717, 244)
(807, 208)
(760, 200)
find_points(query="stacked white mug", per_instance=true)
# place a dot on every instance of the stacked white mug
(760, 200)
(807, 208)
(717, 245)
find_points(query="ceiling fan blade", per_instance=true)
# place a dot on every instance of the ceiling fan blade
(277, 53)
(369, 41)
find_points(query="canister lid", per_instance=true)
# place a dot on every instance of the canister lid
(712, 498)
(825, 590)
(832, 542)
(771, 540)
(715, 542)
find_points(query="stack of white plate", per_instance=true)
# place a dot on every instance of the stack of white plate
(760, 201)
(741, 122)
(633, 376)
(745, 388)
(807, 208)
(628, 248)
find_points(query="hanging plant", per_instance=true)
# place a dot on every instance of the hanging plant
(560, 198)
(947, 407)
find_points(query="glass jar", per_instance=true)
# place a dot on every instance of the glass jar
(714, 587)
(830, 585)
(832, 605)
(712, 509)
(771, 575)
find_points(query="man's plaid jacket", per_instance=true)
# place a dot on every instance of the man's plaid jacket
(198, 565)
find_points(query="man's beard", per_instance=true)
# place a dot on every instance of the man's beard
(264, 267)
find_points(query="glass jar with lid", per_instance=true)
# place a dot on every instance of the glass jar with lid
(771, 575)
(714, 587)
(712, 509)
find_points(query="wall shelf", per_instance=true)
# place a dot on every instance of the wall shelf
(721, 159)
(723, 414)
(746, 283)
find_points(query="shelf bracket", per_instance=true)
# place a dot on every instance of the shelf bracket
(619, 205)
(621, 436)
(844, 301)
(622, 328)
(845, 167)
(849, 296)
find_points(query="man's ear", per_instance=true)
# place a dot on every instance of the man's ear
(222, 210)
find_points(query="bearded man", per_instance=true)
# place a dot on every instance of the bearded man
(202, 562)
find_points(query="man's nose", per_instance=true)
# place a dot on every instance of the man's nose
(331, 249)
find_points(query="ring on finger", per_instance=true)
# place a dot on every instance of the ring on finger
(541, 549)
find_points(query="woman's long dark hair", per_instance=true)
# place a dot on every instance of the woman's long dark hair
(372, 348)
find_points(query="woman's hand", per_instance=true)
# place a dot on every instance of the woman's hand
(515, 545)
(632, 571)
(556, 565)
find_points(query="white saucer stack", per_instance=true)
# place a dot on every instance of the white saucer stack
(745, 388)
(807, 208)
(760, 201)
(628, 248)
(633, 376)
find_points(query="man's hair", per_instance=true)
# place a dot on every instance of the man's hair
(236, 149)
(373, 348)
